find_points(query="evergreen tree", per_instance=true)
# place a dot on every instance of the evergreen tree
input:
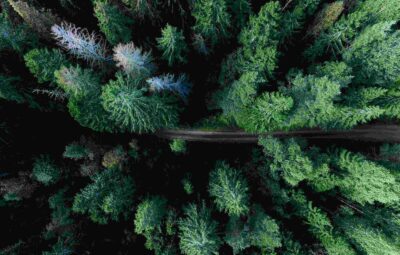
(76, 151)
(340, 35)
(149, 215)
(134, 61)
(167, 82)
(326, 17)
(132, 110)
(198, 232)
(80, 42)
(240, 10)
(229, 190)
(112, 22)
(45, 170)
(260, 39)
(39, 20)
(143, 8)
(374, 56)
(364, 181)
(15, 37)
(9, 90)
(42, 63)
(212, 20)
(107, 198)
(178, 146)
(173, 46)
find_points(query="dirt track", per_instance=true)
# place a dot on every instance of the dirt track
(368, 133)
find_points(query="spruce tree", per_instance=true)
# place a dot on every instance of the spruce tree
(112, 22)
(211, 20)
(198, 231)
(173, 46)
(45, 171)
(108, 197)
(229, 190)
(42, 63)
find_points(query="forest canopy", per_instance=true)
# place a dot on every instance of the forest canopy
(87, 87)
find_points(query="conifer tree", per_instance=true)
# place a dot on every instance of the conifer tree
(112, 22)
(198, 231)
(178, 146)
(39, 20)
(229, 190)
(81, 43)
(109, 197)
(168, 82)
(374, 56)
(173, 46)
(134, 61)
(143, 8)
(132, 110)
(240, 10)
(9, 90)
(212, 20)
(76, 151)
(45, 170)
(149, 215)
(42, 63)
(15, 37)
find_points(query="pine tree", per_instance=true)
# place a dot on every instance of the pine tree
(134, 61)
(178, 146)
(45, 171)
(81, 43)
(212, 20)
(374, 56)
(229, 189)
(179, 86)
(112, 22)
(198, 232)
(364, 181)
(76, 151)
(143, 8)
(9, 90)
(42, 63)
(109, 197)
(340, 35)
(15, 37)
(173, 46)
(132, 110)
(39, 20)
(260, 39)
(149, 215)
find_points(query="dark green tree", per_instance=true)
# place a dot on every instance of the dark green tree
(198, 231)
(212, 20)
(229, 189)
(45, 170)
(173, 46)
(108, 197)
(42, 63)
(112, 22)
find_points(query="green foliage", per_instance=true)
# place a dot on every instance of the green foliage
(143, 8)
(198, 232)
(9, 90)
(149, 215)
(178, 146)
(229, 189)
(334, 70)
(173, 46)
(375, 56)
(42, 63)
(338, 36)
(326, 17)
(15, 37)
(260, 39)
(45, 170)
(268, 112)
(241, 10)
(364, 181)
(107, 198)
(132, 110)
(212, 20)
(112, 22)
(188, 185)
(76, 151)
